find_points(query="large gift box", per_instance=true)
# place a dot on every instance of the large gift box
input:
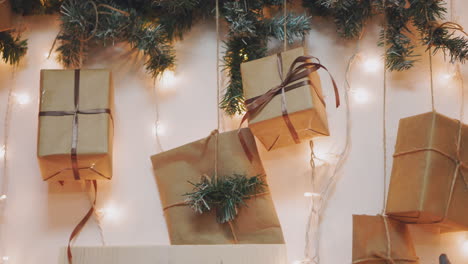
(176, 169)
(6, 18)
(75, 125)
(380, 240)
(305, 106)
(429, 176)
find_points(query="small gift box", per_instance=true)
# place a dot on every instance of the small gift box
(6, 16)
(178, 169)
(380, 240)
(429, 176)
(75, 125)
(284, 106)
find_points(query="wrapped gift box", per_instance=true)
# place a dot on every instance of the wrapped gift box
(425, 188)
(306, 110)
(256, 223)
(6, 16)
(75, 125)
(379, 240)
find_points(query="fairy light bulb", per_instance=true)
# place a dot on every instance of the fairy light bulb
(110, 213)
(311, 194)
(371, 64)
(3, 197)
(360, 95)
(167, 80)
(2, 152)
(5, 259)
(159, 129)
(22, 98)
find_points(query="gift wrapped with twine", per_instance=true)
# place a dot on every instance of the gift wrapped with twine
(429, 176)
(178, 169)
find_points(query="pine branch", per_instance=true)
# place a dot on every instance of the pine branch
(223, 194)
(35, 7)
(115, 24)
(297, 26)
(349, 19)
(12, 48)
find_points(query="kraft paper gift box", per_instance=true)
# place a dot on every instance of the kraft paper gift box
(306, 110)
(379, 240)
(6, 17)
(256, 223)
(75, 125)
(429, 176)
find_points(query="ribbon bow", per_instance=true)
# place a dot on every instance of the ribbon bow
(299, 69)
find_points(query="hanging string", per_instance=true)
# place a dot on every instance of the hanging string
(431, 79)
(156, 123)
(384, 112)
(217, 90)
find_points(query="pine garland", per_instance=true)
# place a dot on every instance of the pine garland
(12, 48)
(223, 194)
(350, 17)
(104, 23)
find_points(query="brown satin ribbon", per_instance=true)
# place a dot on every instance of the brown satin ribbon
(75, 113)
(458, 164)
(388, 256)
(299, 69)
(81, 224)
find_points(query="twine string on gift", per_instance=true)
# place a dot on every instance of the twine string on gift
(387, 257)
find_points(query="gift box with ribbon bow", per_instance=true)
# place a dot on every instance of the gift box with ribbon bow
(430, 176)
(176, 170)
(75, 125)
(379, 240)
(284, 98)
(6, 16)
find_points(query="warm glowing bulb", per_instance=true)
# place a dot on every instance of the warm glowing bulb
(5, 259)
(372, 64)
(465, 246)
(2, 152)
(311, 194)
(445, 77)
(46, 55)
(22, 98)
(159, 129)
(168, 79)
(3, 197)
(109, 212)
(360, 95)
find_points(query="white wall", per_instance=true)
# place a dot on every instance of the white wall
(39, 216)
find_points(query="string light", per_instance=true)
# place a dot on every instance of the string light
(371, 64)
(3, 197)
(5, 259)
(159, 129)
(22, 98)
(167, 80)
(360, 95)
(2, 152)
(311, 194)
(110, 213)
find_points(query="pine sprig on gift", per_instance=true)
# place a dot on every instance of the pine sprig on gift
(81, 29)
(224, 194)
(12, 48)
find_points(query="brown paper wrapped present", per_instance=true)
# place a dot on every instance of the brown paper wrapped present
(379, 240)
(256, 223)
(284, 119)
(75, 125)
(6, 16)
(429, 176)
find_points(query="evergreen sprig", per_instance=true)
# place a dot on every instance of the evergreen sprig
(12, 48)
(249, 32)
(223, 194)
(350, 17)
(115, 23)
